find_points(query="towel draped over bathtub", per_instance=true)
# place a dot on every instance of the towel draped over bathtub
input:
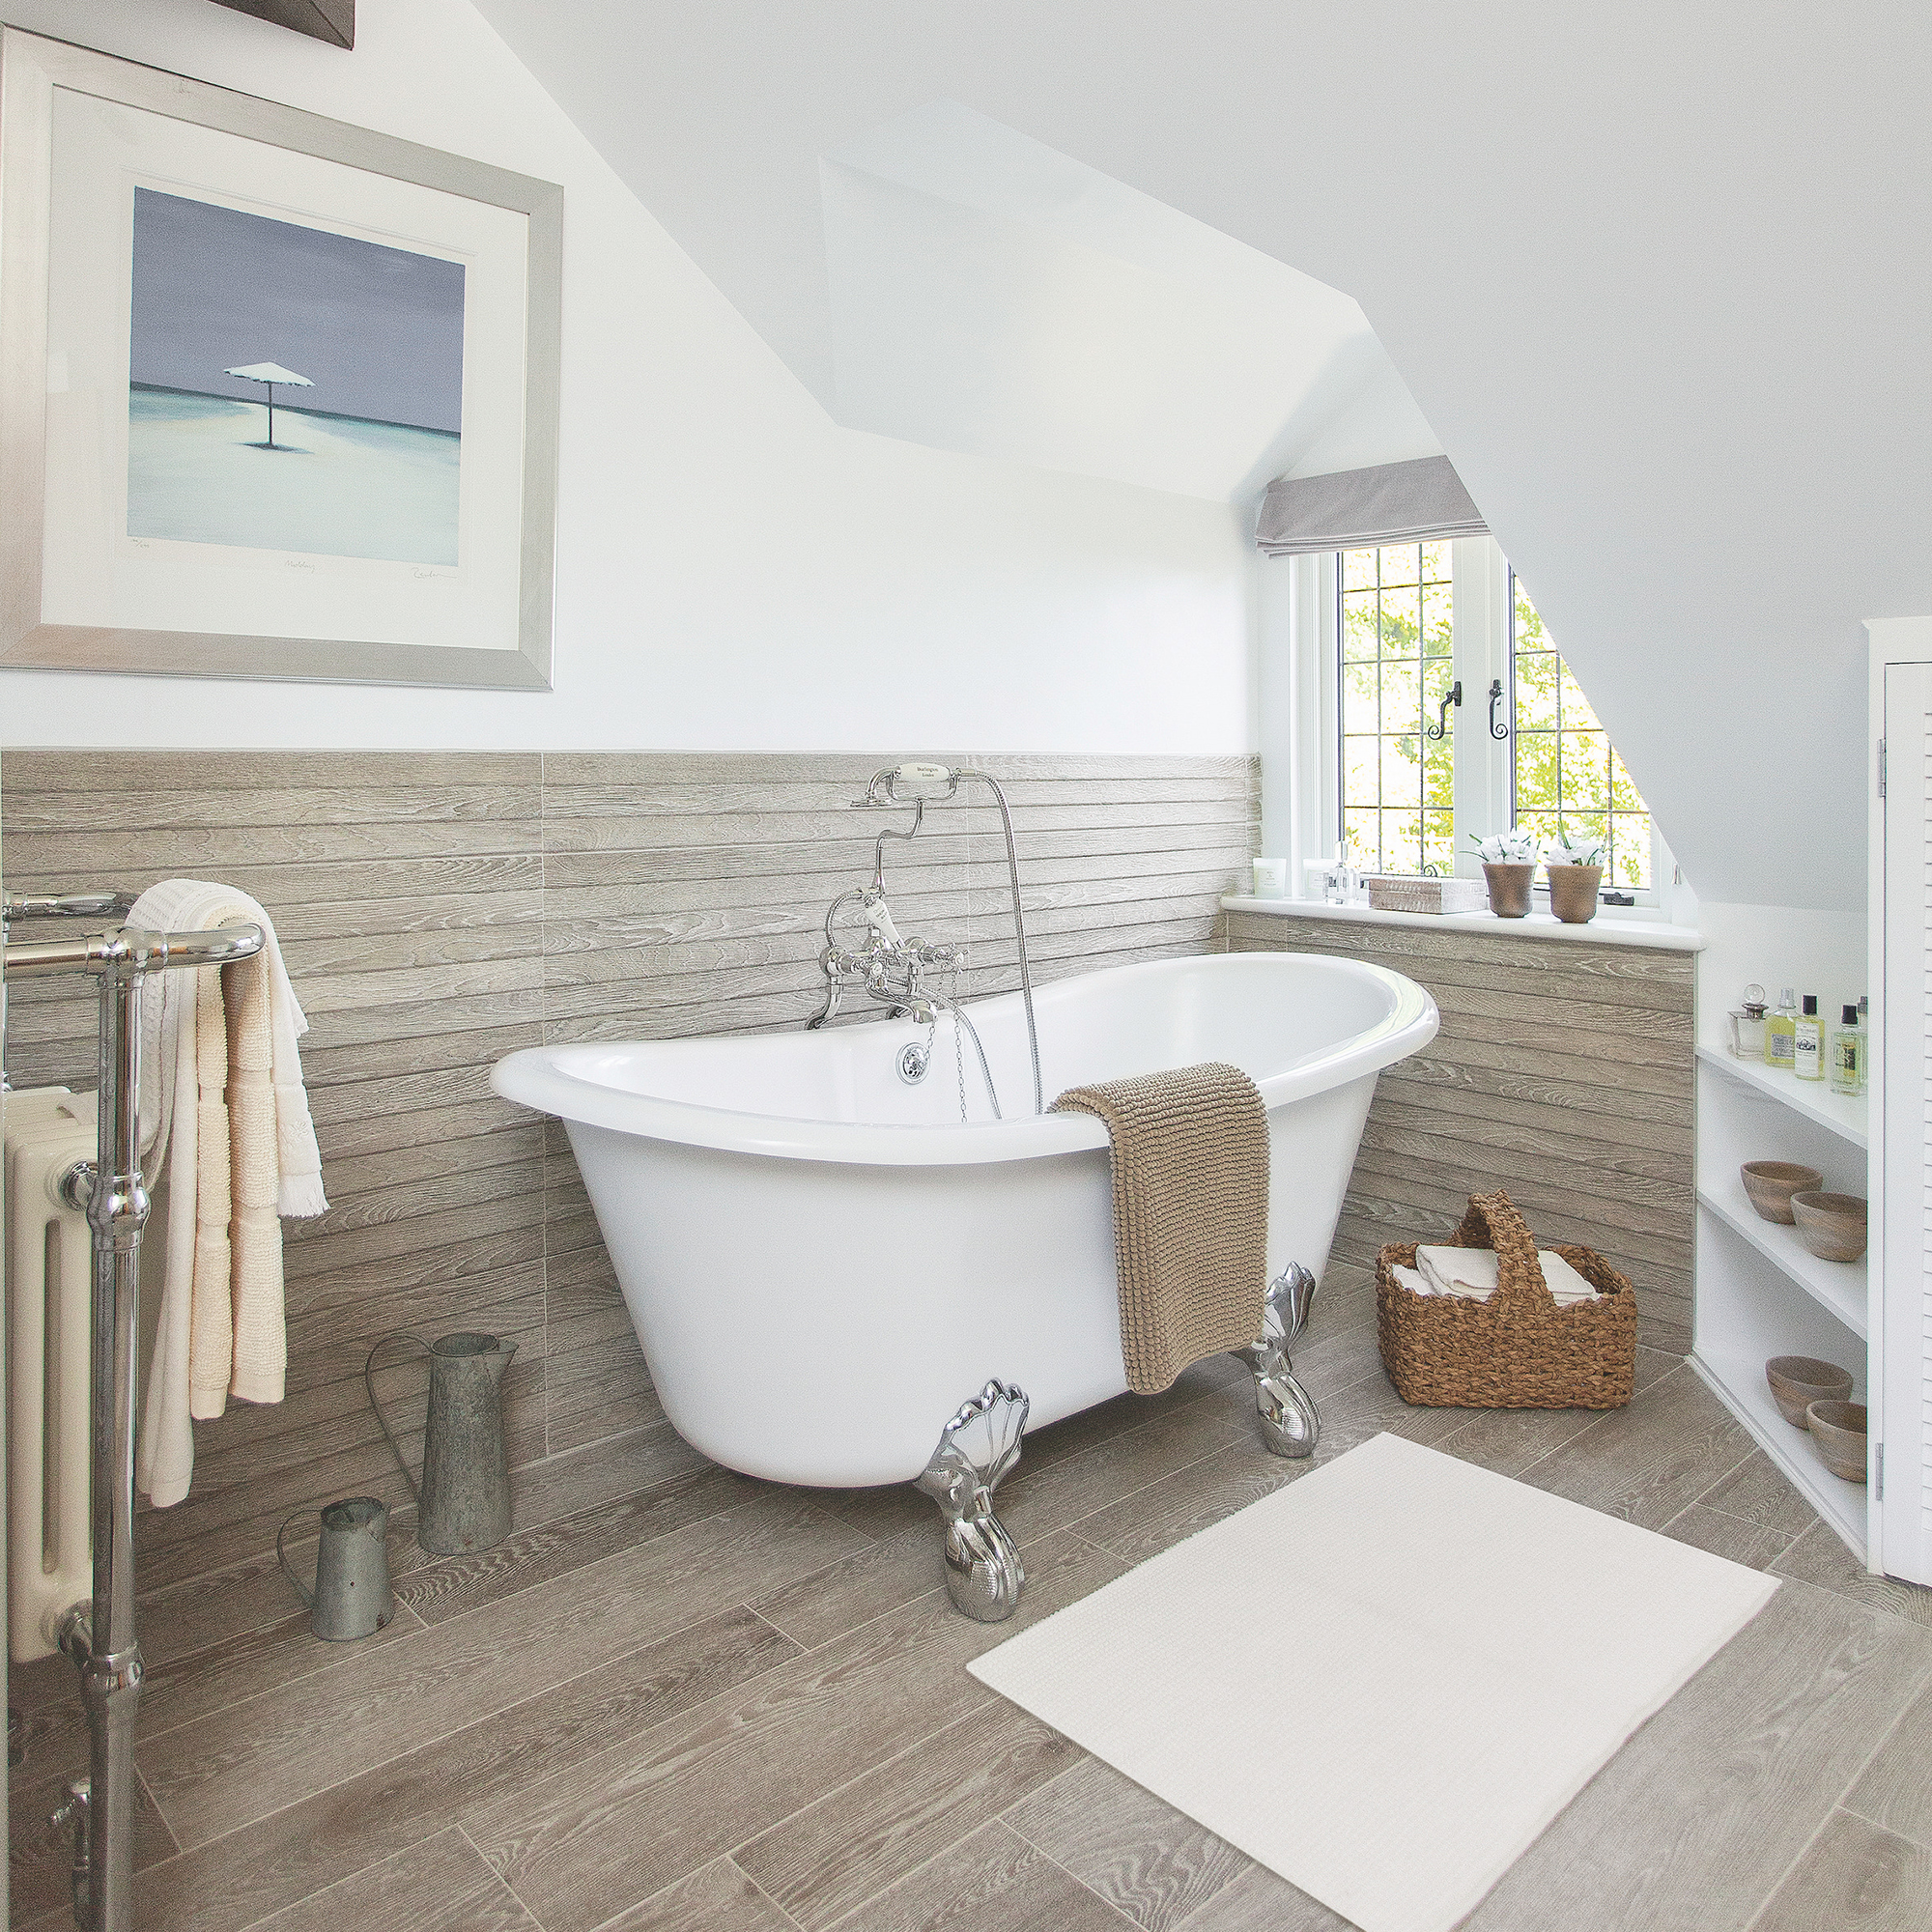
(224, 1115)
(1190, 1165)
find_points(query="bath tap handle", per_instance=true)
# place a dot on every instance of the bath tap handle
(879, 916)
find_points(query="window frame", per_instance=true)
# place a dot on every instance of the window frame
(1300, 628)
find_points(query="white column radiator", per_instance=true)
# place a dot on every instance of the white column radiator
(49, 1538)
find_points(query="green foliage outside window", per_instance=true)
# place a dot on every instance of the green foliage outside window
(1398, 784)
(1568, 774)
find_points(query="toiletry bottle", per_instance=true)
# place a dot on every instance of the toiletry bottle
(1807, 1042)
(1748, 1025)
(1778, 1030)
(1848, 1054)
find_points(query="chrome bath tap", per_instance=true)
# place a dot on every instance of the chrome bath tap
(900, 971)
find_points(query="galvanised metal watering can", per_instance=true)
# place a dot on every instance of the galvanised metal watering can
(463, 1501)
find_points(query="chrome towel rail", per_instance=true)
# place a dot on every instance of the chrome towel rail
(100, 1636)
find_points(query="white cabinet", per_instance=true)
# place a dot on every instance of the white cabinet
(1901, 905)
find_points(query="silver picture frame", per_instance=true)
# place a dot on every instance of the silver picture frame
(32, 69)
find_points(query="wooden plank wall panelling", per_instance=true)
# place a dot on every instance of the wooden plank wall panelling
(1563, 1071)
(440, 909)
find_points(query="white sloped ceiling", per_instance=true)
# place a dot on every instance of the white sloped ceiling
(1659, 276)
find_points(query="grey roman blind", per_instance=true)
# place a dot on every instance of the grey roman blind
(1392, 504)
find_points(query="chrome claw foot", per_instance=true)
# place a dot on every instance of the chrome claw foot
(1290, 1422)
(983, 1573)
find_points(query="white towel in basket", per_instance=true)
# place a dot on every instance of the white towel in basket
(1471, 1273)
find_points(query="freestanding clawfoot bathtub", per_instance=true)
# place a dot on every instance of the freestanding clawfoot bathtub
(821, 1257)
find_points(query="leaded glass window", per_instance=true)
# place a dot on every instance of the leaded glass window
(1397, 664)
(1568, 776)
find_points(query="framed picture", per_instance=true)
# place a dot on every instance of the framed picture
(278, 395)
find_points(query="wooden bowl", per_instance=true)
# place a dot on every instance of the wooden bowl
(1838, 1428)
(1771, 1184)
(1832, 1226)
(1797, 1381)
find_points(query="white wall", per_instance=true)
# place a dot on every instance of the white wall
(733, 570)
(1656, 274)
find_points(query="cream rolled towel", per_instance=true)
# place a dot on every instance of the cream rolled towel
(261, 1350)
(170, 1120)
(211, 1347)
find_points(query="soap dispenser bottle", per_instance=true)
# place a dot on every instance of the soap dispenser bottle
(1848, 1054)
(1807, 1042)
(1779, 1029)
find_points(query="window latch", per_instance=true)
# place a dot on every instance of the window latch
(1441, 724)
(1499, 732)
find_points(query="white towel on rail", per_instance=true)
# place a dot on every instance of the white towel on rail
(223, 1107)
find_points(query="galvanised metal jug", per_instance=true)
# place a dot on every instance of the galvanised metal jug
(351, 1596)
(462, 1502)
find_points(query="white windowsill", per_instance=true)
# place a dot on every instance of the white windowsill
(1599, 932)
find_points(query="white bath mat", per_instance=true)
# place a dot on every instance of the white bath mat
(1384, 1680)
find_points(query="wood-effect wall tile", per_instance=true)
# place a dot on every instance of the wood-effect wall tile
(439, 910)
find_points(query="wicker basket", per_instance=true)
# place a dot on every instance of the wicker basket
(1395, 893)
(1518, 1349)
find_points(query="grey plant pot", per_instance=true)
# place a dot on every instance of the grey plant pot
(1573, 893)
(1509, 890)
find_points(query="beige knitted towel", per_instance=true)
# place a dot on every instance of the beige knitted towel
(1190, 1156)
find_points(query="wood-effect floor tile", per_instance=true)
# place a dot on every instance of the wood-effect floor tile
(862, 1585)
(1508, 1440)
(623, 1824)
(220, 1772)
(1896, 1789)
(1647, 1461)
(1175, 1508)
(1143, 1856)
(1259, 1901)
(1728, 1536)
(1033, 1501)
(439, 1886)
(230, 1882)
(1073, 1433)
(854, 1842)
(531, 1558)
(719, 1899)
(1854, 1878)
(992, 1881)
(1758, 1490)
(1689, 1825)
(1819, 1557)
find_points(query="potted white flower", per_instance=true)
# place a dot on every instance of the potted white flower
(1576, 872)
(1509, 863)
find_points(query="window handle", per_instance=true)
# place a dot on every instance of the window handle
(1499, 732)
(1441, 724)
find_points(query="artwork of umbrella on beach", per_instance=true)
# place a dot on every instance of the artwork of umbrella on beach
(364, 342)
(269, 374)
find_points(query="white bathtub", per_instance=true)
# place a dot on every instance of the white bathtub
(823, 1263)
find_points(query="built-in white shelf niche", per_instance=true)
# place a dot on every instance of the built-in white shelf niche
(1760, 1291)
